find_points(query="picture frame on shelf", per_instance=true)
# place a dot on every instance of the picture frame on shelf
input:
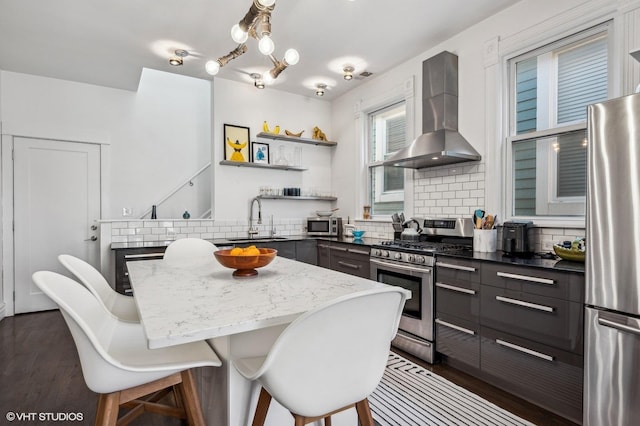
(236, 143)
(260, 152)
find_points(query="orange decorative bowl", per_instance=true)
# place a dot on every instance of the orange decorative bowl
(245, 266)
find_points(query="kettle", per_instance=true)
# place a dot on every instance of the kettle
(409, 233)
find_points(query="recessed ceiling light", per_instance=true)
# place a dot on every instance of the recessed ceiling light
(177, 59)
(320, 88)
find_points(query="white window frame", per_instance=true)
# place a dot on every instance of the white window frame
(566, 211)
(404, 91)
(379, 192)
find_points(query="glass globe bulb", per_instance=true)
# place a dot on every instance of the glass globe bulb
(238, 35)
(266, 3)
(291, 56)
(267, 78)
(266, 45)
(212, 67)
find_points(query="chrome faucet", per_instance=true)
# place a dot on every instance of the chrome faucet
(254, 230)
(272, 232)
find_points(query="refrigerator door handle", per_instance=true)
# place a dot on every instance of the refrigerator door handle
(618, 326)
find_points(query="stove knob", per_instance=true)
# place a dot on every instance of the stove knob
(385, 253)
(398, 256)
(376, 252)
(411, 258)
(420, 259)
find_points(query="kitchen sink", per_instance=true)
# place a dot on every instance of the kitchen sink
(255, 240)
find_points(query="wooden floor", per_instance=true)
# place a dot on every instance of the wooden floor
(41, 374)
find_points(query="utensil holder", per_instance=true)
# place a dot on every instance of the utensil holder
(485, 240)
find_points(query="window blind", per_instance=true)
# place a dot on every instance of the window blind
(572, 165)
(582, 79)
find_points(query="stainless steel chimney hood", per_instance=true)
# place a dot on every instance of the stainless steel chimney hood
(440, 143)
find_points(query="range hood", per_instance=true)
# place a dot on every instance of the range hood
(440, 142)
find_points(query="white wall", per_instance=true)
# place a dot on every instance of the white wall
(478, 112)
(243, 105)
(156, 137)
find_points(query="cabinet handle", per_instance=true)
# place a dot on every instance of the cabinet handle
(338, 248)
(358, 252)
(525, 304)
(458, 267)
(142, 256)
(525, 350)
(348, 265)
(526, 278)
(323, 246)
(618, 326)
(454, 288)
(455, 327)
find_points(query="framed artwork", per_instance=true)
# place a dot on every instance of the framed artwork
(260, 152)
(236, 143)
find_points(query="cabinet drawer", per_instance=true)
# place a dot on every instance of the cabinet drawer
(545, 282)
(543, 375)
(554, 322)
(458, 339)
(324, 254)
(460, 299)
(457, 271)
(350, 264)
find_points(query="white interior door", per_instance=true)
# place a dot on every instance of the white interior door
(56, 204)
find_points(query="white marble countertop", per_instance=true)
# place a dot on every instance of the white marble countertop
(180, 305)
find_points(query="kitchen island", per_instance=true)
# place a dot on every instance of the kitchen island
(240, 317)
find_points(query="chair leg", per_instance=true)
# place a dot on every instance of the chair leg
(108, 407)
(262, 408)
(364, 413)
(190, 399)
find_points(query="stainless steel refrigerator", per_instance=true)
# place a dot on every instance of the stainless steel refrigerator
(612, 312)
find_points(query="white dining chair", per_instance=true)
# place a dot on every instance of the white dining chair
(116, 362)
(328, 359)
(121, 306)
(189, 252)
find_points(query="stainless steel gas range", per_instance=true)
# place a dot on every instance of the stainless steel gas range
(410, 264)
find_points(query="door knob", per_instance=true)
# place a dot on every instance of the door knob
(93, 238)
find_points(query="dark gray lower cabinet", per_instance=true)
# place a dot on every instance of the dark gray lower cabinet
(324, 254)
(545, 375)
(285, 248)
(307, 251)
(519, 328)
(351, 259)
(458, 339)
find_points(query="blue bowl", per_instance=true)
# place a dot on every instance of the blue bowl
(357, 234)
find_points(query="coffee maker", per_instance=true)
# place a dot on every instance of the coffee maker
(517, 239)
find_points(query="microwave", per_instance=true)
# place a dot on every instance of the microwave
(324, 226)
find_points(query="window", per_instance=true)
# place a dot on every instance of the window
(387, 134)
(550, 89)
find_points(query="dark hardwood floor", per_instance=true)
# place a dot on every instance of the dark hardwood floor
(41, 373)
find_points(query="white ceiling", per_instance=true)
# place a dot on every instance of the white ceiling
(109, 42)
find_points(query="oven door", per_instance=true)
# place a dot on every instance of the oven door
(417, 316)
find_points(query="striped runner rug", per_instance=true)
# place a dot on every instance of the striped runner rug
(409, 395)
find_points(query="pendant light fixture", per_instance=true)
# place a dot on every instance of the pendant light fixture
(257, 25)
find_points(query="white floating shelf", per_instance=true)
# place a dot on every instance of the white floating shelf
(279, 137)
(261, 166)
(287, 197)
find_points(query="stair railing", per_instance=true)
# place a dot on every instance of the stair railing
(189, 181)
